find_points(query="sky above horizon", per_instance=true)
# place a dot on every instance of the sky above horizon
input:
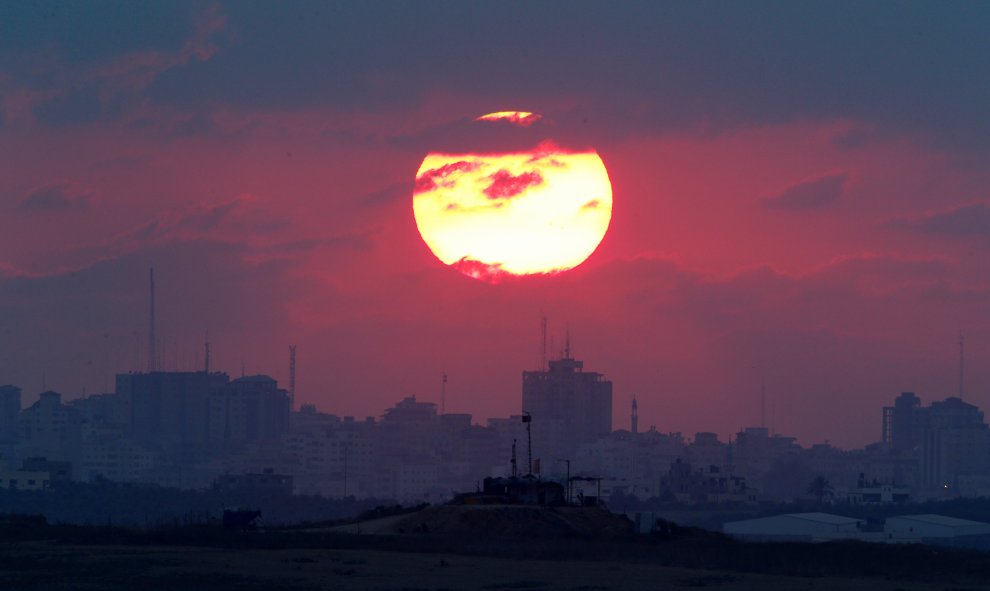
(800, 200)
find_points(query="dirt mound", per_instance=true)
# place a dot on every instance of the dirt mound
(511, 521)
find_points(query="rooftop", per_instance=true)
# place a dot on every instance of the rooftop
(940, 520)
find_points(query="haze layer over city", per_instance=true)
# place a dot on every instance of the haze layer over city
(788, 251)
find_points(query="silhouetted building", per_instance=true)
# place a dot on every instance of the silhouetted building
(955, 443)
(267, 482)
(10, 408)
(50, 429)
(903, 422)
(248, 409)
(168, 409)
(59, 471)
(581, 401)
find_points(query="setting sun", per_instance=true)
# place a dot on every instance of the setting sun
(495, 216)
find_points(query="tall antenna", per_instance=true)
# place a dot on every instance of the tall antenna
(443, 394)
(567, 344)
(152, 349)
(773, 418)
(513, 461)
(543, 353)
(634, 419)
(292, 377)
(962, 363)
(528, 419)
(763, 404)
(206, 353)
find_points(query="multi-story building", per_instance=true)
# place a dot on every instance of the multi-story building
(248, 409)
(580, 401)
(50, 429)
(955, 443)
(903, 423)
(169, 410)
(10, 408)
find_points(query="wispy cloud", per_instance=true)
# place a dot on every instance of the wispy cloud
(817, 193)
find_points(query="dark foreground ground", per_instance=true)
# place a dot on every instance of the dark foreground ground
(449, 547)
(48, 565)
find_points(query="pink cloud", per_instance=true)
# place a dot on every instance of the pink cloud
(505, 185)
(434, 177)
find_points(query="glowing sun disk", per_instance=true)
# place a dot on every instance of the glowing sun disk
(497, 215)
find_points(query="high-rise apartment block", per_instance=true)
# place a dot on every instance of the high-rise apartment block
(569, 406)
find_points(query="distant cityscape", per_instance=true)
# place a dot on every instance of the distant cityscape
(202, 429)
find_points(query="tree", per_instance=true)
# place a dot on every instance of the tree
(821, 488)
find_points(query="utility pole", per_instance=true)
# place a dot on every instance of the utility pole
(528, 419)
(346, 448)
(568, 488)
(515, 471)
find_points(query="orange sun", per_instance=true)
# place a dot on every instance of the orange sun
(503, 215)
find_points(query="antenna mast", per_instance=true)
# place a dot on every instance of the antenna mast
(962, 361)
(292, 378)
(543, 353)
(763, 404)
(514, 469)
(152, 352)
(528, 419)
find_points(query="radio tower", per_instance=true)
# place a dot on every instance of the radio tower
(152, 353)
(292, 377)
(206, 353)
(962, 361)
(543, 352)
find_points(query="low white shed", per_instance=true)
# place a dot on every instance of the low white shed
(794, 526)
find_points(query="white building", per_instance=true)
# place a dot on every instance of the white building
(922, 527)
(808, 527)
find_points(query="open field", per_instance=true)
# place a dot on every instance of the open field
(45, 565)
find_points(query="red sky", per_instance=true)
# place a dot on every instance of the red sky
(783, 213)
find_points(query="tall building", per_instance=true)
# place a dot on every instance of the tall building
(10, 408)
(580, 401)
(903, 422)
(955, 442)
(169, 410)
(50, 429)
(251, 408)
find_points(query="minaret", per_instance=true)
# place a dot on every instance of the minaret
(634, 419)
(443, 394)
(152, 352)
